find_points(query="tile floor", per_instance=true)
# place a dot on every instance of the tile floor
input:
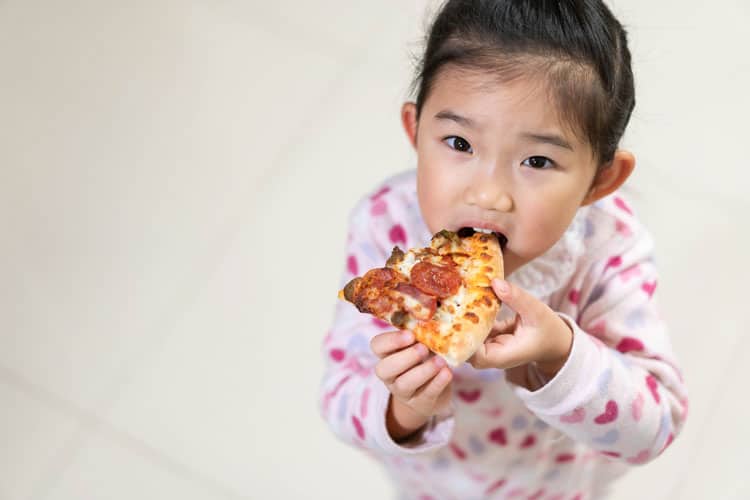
(147, 147)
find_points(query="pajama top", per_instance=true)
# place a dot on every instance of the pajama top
(618, 401)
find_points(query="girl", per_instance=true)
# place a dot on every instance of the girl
(520, 108)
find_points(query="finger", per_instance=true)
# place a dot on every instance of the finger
(529, 307)
(503, 351)
(399, 362)
(387, 343)
(432, 390)
(410, 381)
(508, 325)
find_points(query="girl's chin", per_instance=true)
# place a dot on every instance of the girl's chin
(511, 262)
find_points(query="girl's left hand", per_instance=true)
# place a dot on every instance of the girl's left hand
(537, 334)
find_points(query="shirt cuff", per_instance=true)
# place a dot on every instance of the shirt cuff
(435, 434)
(573, 383)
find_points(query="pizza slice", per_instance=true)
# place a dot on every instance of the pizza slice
(441, 293)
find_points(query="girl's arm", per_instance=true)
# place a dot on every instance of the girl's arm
(620, 391)
(353, 401)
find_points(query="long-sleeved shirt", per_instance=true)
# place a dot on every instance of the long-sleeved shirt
(618, 400)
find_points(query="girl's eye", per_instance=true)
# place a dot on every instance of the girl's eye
(539, 162)
(459, 144)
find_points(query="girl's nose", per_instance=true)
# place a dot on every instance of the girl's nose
(489, 194)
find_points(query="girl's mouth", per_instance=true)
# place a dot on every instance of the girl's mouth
(468, 231)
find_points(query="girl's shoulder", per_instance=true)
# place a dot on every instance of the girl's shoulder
(612, 224)
(389, 213)
(399, 188)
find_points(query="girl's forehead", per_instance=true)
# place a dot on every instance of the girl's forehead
(467, 86)
(486, 99)
(525, 101)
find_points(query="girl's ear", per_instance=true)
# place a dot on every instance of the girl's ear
(610, 177)
(409, 121)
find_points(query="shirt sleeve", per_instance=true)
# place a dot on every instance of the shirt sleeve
(353, 401)
(620, 391)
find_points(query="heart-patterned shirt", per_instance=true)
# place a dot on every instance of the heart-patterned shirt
(619, 400)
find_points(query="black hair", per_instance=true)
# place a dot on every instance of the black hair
(578, 44)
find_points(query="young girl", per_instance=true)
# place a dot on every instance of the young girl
(520, 108)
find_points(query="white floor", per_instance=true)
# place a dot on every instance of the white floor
(150, 150)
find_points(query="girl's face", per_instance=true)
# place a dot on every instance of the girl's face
(496, 156)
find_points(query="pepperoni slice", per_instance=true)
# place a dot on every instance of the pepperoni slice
(379, 277)
(435, 280)
(428, 302)
(370, 292)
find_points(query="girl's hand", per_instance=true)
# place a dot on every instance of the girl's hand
(418, 381)
(537, 334)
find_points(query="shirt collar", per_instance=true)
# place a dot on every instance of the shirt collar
(552, 270)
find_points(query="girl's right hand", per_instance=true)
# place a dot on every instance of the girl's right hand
(418, 381)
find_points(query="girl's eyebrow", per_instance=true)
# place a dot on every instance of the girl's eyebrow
(461, 120)
(553, 139)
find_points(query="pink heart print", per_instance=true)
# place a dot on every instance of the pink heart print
(564, 457)
(628, 344)
(622, 228)
(470, 396)
(574, 417)
(358, 427)
(337, 355)
(649, 288)
(640, 458)
(615, 261)
(609, 415)
(498, 436)
(379, 207)
(397, 234)
(528, 442)
(460, 454)
(537, 495)
(494, 486)
(629, 273)
(574, 296)
(380, 193)
(653, 386)
(351, 265)
(363, 403)
(380, 323)
(622, 205)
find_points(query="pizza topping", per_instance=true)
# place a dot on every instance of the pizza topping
(472, 317)
(399, 318)
(436, 280)
(397, 255)
(367, 292)
(378, 277)
(350, 289)
(423, 306)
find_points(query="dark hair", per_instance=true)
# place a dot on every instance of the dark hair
(577, 44)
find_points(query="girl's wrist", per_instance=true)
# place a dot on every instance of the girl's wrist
(561, 351)
(401, 421)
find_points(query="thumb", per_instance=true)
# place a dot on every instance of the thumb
(526, 305)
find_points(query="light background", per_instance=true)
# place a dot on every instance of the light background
(175, 178)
